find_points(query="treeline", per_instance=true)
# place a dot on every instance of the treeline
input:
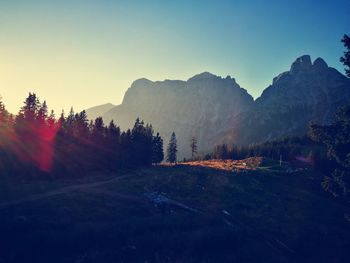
(286, 149)
(35, 141)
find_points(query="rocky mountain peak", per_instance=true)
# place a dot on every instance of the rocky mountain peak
(320, 64)
(141, 82)
(203, 76)
(300, 64)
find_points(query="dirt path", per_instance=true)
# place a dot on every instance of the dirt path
(62, 190)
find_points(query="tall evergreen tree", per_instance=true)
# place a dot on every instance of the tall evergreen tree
(81, 125)
(141, 137)
(31, 108)
(42, 113)
(157, 149)
(5, 125)
(172, 149)
(346, 58)
(194, 147)
(113, 131)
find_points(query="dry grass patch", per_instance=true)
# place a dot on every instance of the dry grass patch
(228, 165)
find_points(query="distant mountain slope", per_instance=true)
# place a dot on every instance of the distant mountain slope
(308, 92)
(98, 111)
(217, 110)
(202, 106)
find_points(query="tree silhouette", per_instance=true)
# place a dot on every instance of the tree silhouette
(221, 152)
(157, 149)
(346, 58)
(172, 149)
(193, 146)
(142, 138)
(35, 142)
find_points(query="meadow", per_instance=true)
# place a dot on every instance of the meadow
(263, 214)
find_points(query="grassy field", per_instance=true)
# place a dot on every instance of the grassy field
(261, 215)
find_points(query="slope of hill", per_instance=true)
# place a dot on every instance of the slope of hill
(98, 111)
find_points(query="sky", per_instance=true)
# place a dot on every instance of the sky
(85, 53)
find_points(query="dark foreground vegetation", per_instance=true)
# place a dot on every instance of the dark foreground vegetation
(265, 215)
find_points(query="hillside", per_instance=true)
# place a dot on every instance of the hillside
(212, 216)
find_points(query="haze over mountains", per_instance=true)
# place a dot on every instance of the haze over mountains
(99, 110)
(217, 110)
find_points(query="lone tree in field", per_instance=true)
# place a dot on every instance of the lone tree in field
(346, 58)
(194, 147)
(172, 149)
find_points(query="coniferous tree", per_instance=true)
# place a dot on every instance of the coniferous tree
(221, 152)
(71, 145)
(346, 58)
(5, 125)
(141, 137)
(81, 126)
(51, 121)
(98, 129)
(172, 149)
(194, 148)
(113, 131)
(157, 149)
(42, 113)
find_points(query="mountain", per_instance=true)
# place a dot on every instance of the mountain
(98, 111)
(202, 106)
(217, 110)
(308, 92)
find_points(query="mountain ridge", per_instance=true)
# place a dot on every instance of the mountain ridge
(218, 110)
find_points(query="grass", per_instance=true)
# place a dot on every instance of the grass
(251, 216)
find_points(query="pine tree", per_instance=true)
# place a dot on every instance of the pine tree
(172, 149)
(4, 114)
(51, 121)
(346, 58)
(142, 137)
(157, 149)
(221, 152)
(194, 147)
(113, 131)
(81, 125)
(30, 109)
(42, 113)
(5, 124)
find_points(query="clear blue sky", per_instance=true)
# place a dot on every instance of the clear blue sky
(85, 53)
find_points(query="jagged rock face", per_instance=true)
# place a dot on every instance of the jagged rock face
(309, 92)
(203, 106)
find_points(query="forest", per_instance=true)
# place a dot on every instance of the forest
(35, 142)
